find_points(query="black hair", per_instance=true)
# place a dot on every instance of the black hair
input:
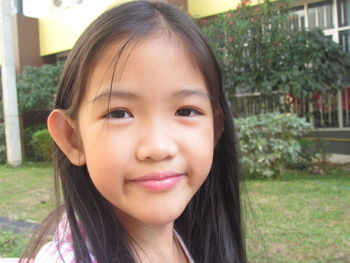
(211, 225)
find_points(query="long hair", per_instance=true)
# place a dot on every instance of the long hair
(211, 224)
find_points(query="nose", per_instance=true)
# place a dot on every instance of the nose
(156, 143)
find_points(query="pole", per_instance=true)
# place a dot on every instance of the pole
(19, 4)
(9, 89)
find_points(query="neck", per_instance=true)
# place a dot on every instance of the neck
(154, 243)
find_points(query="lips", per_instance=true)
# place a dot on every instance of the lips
(158, 181)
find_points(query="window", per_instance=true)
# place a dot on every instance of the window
(320, 15)
(344, 40)
(297, 17)
(343, 12)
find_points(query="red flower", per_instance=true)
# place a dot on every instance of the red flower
(203, 21)
(231, 22)
(230, 39)
(245, 2)
(251, 19)
(228, 15)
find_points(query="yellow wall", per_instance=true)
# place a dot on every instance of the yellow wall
(203, 8)
(59, 32)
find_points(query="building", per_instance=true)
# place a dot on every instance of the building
(49, 38)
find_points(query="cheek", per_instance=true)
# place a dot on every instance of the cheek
(200, 150)
(106, 161)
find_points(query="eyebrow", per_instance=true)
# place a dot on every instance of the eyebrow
(129, 95)
(192, 92)
(115, 93)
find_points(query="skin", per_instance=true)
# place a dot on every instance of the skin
(159, 119)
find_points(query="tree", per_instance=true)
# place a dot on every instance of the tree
(37, 86)
(260, 50)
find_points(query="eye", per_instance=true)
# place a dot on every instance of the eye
(119, 114)
(187, 112)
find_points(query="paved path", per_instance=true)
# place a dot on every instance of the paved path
(17, 226)
(9, 260)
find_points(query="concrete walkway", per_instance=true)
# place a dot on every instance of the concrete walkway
(9, 260)
(16, 226)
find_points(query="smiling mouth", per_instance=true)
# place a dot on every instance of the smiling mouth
(159, 181)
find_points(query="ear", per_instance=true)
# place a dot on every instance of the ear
(64, 132)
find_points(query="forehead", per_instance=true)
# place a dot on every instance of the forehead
(118, 61)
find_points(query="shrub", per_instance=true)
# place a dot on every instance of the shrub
(1, 103)
(37, 86)
(42, 145)
(2, 143)
(313, 156)
(268, 142)
(27, 138)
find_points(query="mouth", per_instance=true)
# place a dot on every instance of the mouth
(158, 181)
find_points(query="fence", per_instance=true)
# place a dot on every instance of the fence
(330, 109)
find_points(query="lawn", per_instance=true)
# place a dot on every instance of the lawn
(12, 245)
(26, 192)
(300, 218)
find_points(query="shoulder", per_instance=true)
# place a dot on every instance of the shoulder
(54, 252)
(60, 249)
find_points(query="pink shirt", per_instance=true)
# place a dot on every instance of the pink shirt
(60, 249)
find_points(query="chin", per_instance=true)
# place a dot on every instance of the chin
(161, 219)
(164, 219)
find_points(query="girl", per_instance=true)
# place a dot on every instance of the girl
(145, 146)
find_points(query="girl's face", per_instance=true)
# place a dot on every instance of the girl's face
(149, 144)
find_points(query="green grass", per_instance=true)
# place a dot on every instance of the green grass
(300, 218)
(12, 245)
(26, 192)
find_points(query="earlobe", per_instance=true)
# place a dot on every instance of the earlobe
(65, 135)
